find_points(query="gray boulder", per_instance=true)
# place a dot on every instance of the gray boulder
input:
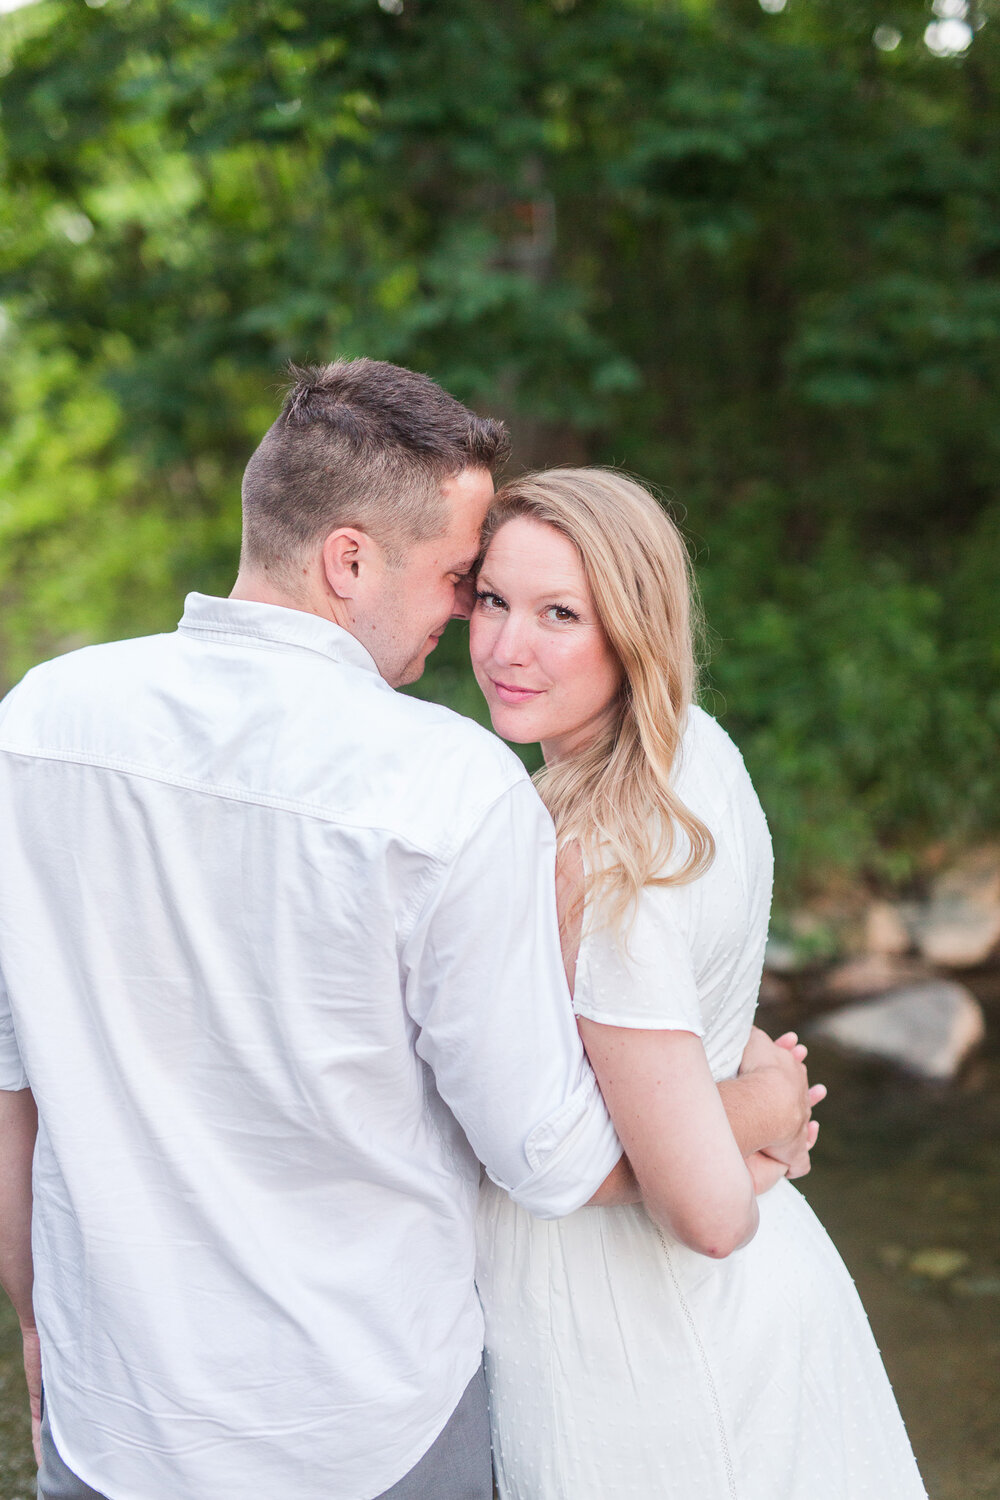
(872, 974)
(927, 1028)
(887, 929)
(959, 927)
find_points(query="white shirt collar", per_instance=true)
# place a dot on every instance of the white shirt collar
(210, 616)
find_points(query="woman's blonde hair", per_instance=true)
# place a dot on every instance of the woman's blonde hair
(614, 797)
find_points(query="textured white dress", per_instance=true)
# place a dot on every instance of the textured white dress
(623, 1366)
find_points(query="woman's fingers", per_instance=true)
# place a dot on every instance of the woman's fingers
(817, 1094)
(790, 1041)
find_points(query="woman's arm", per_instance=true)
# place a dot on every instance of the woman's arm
(671, 1121)
(661, 1096)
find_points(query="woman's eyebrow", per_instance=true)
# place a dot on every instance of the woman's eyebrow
(553, 595)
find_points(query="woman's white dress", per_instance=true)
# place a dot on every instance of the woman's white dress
(623, 1366)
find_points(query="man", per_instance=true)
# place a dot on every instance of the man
(279, 966)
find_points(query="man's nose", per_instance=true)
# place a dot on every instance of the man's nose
(465, 597)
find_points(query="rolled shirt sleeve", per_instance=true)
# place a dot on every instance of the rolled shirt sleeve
(485, 985)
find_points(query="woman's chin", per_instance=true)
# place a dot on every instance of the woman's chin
(508, 726)
(513, 735)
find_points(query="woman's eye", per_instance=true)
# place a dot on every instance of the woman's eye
(560, 613)
(488, 600)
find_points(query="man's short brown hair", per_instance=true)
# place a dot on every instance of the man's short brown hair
(360, 443)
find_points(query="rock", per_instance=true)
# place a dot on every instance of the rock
(781, 957)
(937, 1265)
(977, 1286)
(887, 931)
(960, 925)
(872, 974)
(927, 1028)
(891, 1257)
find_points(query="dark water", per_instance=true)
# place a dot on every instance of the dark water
(907, 1180)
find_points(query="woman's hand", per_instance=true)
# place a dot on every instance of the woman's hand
(769, 1104)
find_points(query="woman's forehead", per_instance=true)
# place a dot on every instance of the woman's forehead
(529, 546)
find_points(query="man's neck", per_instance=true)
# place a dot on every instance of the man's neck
(258, 588)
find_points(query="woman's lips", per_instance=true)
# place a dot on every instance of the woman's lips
(508, 693)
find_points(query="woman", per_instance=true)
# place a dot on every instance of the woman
(639, 1352)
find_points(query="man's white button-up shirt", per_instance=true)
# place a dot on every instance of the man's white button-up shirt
(279, 959)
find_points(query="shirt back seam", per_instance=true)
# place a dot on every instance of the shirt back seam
(220, 790)
(259, 641)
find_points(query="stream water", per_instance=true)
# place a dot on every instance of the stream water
(907, 1180)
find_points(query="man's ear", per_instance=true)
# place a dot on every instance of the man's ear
(345, 552)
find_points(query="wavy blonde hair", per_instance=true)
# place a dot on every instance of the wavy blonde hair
(614, 797)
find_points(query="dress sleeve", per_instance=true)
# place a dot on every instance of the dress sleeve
(643, 978)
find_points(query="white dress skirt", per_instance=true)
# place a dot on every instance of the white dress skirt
(623, 1366)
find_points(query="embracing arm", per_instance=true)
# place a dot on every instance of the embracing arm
(768, 1109)
(764, 1112)
(18, 1126)
(670, 1118)
(485, 985)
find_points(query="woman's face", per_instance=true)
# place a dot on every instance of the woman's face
(538, 649)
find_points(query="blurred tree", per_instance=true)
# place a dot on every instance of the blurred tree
(753, 257)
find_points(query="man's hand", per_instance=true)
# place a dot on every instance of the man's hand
(33, 1375)
(780, 1067)
(765, 1171)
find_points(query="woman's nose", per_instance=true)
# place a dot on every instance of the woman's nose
(511, 647)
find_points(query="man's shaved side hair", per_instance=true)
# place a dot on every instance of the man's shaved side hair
(359, 443)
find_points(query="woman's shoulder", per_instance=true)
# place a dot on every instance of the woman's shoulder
(710, 766)
(712, 781)
(707, 735)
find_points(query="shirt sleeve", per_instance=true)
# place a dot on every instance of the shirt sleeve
(12, 1074)
(644, 977)
(485, 985)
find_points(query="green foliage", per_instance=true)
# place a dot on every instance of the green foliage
(867, 709)
(748, 256)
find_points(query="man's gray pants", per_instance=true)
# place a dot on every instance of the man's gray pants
(455, 1467)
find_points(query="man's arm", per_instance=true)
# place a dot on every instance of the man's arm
(484, 982)
(18, 1127)
(619, 1187)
